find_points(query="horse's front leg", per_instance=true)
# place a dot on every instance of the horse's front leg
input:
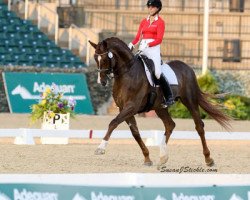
(135, 132)
(125, 113)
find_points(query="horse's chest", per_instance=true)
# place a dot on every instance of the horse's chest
(125, 92)
(118, 97)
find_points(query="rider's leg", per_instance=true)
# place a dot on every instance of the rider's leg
(167, 91)
(154, 54)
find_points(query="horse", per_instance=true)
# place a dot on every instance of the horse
(131, 91)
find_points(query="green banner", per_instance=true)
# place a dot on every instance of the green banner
(24, 89)
(65, 192)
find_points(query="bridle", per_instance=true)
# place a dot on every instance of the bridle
(108, 71)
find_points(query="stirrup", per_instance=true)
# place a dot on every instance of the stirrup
(167, 103)
(170, 101)
(164, 105)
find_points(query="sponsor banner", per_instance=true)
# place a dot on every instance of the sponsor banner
(198, 193)
(55, 192)
(65, 192)
(24, 89)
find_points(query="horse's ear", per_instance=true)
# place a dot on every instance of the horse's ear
(93, 44)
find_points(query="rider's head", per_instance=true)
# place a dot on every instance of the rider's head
(154, 4)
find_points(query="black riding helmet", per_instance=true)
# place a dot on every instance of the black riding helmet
(155, 3)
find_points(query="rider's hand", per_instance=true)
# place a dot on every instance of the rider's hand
(143, 46)
(131, 46)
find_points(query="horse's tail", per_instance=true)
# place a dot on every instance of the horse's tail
(214, 111)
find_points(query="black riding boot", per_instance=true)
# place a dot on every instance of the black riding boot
(167, 92)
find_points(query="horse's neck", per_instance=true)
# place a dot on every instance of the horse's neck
(23, 92)
(134, 78)
(130, 70)
(123, 66)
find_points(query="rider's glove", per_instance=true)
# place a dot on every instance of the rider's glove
(131, 46)
(143, 46)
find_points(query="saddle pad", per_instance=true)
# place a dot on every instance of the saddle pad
(166, 70)
(169, 74)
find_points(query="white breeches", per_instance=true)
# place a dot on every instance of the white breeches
(153, 53)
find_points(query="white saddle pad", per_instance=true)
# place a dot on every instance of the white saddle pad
(167, 71)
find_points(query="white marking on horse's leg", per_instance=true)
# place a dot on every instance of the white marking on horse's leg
(163, 147)
(103, 144)
(163, 153)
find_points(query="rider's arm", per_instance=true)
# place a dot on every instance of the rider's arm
(160, 34)
(138, 35)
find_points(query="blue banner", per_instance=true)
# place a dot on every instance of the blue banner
(66, 192)
(24, 89)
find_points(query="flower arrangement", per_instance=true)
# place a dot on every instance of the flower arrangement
(52, 102)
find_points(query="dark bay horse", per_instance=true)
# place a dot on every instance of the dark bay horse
(131, 90)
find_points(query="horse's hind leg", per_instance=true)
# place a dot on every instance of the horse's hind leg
(199, 126)
(169, 127)
(135, 132)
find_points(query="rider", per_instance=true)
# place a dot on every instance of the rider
(151, 30)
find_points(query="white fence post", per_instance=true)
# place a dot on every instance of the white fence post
(205, 37)
(39, 16)
(9, 4)
(56, 28)
(26, 10)
(24, 138)
(70, 37)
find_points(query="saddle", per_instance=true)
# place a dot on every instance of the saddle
(151, 67)
(150, 71)
(154, 82)
(152, 94)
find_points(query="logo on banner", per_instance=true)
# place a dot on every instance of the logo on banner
(101, 196)
(28, 195)
(4, 197)
(25, 94)
(78, 197)
(181, 196)
(159, 197)
(235, 197)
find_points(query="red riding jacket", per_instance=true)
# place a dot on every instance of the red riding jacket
(151, 31)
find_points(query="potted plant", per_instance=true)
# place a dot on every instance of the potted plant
(54, 109)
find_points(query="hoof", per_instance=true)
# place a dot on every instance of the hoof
(99, 151)
(148, 163)
(210, 162)
(163, 161)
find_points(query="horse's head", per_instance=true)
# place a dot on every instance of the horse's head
(17, 90)
(105, 61)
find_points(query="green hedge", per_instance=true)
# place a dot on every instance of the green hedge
(236, 106)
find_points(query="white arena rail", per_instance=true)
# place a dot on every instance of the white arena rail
(26, 136)
(130, 179)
